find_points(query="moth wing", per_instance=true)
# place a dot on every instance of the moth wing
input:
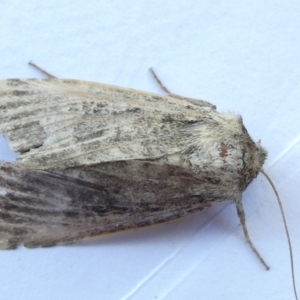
(43, 208)
(58, 123)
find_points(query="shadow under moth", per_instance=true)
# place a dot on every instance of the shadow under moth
(96, 159)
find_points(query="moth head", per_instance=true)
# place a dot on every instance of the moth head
(259, 153)
(262, 153)
(254, 156)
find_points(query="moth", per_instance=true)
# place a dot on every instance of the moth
(96, 159)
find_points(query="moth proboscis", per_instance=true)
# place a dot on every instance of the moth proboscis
(96, 159)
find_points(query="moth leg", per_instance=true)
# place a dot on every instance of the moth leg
(197, 102)
(41, 70)
(241, 214)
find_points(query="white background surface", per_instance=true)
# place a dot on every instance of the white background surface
(243, 56)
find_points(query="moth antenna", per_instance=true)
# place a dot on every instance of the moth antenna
(197, 102)
(41, 70)
(286, 230)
